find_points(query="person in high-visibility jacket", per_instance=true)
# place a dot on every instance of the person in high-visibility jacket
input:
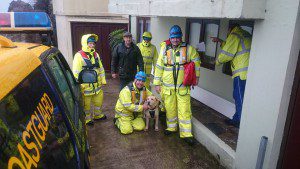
(149, 54)
(236, 50)
(93, 93)
(169, 74)
(131, 105)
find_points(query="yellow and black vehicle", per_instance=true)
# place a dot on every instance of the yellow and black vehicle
(41, 114)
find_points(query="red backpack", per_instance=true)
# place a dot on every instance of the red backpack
(190, 78)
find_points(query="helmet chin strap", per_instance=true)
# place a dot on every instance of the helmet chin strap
(144, 43)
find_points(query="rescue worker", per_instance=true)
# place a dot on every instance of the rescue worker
(236, 50)
(149, 54)
(126, 56)
(131, 105)
(169, 76)
(93, 93)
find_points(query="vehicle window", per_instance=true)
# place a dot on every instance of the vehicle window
(70, 77)
(62, 85)
(33, 133)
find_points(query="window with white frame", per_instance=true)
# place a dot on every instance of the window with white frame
(198, 34)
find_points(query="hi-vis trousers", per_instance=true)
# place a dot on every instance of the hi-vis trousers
(127, 123)
(96, 100)
(178, 107)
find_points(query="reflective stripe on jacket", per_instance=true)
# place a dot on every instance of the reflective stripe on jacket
(78, 63)
(164, 72)
(237, 50)
(150, 56)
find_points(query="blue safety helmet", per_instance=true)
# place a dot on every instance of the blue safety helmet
(141, 76)
(91, 39)
(175, 32)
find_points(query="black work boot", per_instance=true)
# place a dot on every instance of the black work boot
(167, 132)
(102, 118)
(190, 140)
(90, 123)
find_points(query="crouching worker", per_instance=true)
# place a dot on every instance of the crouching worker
(131, 105)
(88, 58)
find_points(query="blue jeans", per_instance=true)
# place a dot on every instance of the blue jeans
(238, 95)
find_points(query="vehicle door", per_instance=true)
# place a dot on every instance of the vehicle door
(33, 133)
(69, 91)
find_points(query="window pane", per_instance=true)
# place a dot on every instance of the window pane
(148, 25)
(25, 109)
(211, 30)
(248, 29)
(195, 29)
(63, 86)
(141, 25)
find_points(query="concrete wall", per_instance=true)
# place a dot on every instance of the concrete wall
(273, 59)
(64, 38)
(79, 7)
(133, 28)
(160, 27)
(191, 8)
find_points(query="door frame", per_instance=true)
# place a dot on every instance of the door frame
(289, 119)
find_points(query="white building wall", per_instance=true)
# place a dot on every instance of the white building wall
(160, 27)
(79, 7)
(273, 59)
(190, 8)
(133, 28)
(64, 39)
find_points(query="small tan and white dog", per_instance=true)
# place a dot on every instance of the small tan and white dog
(152, 112)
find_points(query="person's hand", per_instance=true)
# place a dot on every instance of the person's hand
(114, 75)
(145, 106)
(215, 39)
(157, 89)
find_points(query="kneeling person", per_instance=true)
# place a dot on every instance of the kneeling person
(131, 105)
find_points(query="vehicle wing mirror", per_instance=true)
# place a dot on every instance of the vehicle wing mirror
(88, 76)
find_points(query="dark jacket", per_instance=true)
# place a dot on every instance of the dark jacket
(125, 61)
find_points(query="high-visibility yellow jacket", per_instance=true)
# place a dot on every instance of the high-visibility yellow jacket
(78, 63)
(164, 70)
(236, 49)
(126, 104)
(150, 56)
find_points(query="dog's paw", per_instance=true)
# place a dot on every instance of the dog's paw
(156, 129)
(146, 129)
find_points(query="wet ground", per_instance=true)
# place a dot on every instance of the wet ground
(141, 150)
(215, 122)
